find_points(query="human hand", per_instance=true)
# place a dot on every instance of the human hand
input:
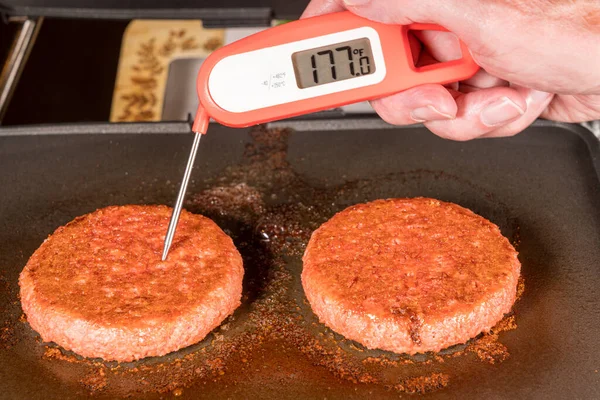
(539, 58)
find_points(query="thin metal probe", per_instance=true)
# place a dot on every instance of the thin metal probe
(180, 197)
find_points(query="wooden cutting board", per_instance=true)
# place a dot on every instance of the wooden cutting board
(147, 49)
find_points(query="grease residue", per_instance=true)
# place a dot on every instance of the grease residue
(273, 340)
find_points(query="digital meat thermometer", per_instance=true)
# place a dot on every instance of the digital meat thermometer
(305, 66)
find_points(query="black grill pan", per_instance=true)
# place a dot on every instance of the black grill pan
(541, 187)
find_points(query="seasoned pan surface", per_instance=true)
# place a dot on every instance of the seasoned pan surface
(269, 190)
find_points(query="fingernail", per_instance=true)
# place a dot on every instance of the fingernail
(356, 2)
(501, 112)
(538, 96)
(428, 113)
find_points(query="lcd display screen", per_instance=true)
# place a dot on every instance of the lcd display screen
(333, 63)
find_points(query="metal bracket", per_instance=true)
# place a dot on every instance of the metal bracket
(17, 57)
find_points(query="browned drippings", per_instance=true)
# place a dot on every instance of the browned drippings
(56, 354)
(487, 347)
(270, 212)
(7, 327)
(520, 287)
(7, 336)
(95, 381)
(423, 384)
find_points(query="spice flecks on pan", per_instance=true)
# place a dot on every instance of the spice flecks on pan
(270, 212)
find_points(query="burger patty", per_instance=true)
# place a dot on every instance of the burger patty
(409, 275)
(97, 286)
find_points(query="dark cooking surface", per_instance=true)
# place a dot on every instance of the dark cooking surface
(540, 187)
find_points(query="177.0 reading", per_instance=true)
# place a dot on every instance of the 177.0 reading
(333, 63)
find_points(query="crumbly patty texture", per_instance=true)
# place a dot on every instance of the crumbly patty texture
(97, 286)
(409, 275)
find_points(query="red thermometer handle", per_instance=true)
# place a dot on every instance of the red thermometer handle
(445, 72)
(395, 55)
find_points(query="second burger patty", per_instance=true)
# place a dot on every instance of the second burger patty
(409, 275)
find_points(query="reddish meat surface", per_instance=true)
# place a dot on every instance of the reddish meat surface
(409, 275)
(97, 285)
